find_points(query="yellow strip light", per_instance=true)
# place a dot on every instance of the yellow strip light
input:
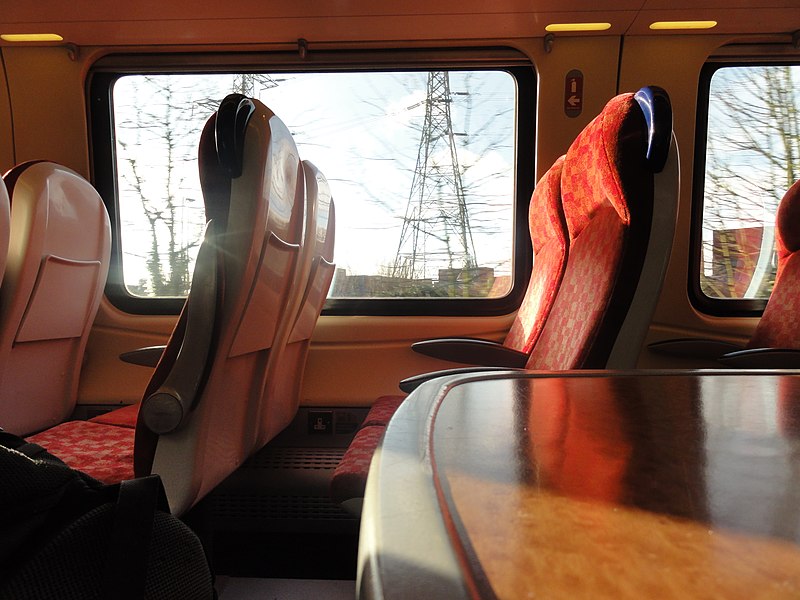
(578, 27)
(31, 37)
(683, 25)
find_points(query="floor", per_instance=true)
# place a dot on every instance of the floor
(246, 588)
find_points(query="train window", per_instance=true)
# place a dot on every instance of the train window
(752, 156)
(421, 165)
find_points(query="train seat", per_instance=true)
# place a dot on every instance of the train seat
(775, 344)
(611, 200)
(198, 420)
(58, 257)
(314, 275)
(619, 183)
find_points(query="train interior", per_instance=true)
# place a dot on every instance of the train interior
(428, 126)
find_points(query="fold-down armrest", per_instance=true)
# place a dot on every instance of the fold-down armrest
(409, 384)
(145, 357)
(472, 351)
(694, 348)
(763, 358)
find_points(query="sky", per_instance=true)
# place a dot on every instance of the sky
(362, 130)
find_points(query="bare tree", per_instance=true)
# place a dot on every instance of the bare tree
(158, 128)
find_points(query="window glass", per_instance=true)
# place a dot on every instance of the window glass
(420, 164)
(752, 157)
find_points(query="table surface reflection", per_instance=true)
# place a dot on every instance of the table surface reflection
(633, 485)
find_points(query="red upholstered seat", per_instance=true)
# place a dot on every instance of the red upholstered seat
(349, 478)
(103, 451)
(122, 417)
(779, 326)
(382, 410)
(604, 189)
(607, 194)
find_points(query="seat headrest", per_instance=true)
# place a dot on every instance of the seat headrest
(657, 110)
(605, 165)
(13, 174)
(787, 222)
(232, 117)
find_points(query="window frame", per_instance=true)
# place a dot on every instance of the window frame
(717, 307)
(106, 71)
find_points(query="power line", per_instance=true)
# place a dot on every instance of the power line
(436, 232)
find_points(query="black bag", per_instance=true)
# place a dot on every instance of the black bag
(65, 535)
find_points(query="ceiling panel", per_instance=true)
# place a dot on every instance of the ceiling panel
(88, 22)
(729, 21)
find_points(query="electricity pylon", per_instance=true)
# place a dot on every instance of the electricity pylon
(436, 232)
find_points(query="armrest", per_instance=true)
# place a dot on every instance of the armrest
(409, 384)
(472, 351)
(694, 348)
(762, 358)
(145, 357)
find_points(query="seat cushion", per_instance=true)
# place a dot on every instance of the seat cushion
(104, 452)
(121, 417)
(382, 410)
(350, 477)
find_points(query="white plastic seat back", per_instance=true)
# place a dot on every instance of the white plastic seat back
(58, 258)
(314, 275)
(199, 418)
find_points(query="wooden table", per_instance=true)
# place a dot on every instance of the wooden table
(625, 485)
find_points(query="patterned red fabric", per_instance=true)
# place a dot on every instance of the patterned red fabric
(549, 237)
(787, 222)
(350, 477)
(605, 190)
(585, 292)
(103, 451)
(600, 159)
(382, 410)
(121, 417)
(779, 326)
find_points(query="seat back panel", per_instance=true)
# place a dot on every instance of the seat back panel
(267, 297)
(322, 273)
(57, 274)
(314, 274)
